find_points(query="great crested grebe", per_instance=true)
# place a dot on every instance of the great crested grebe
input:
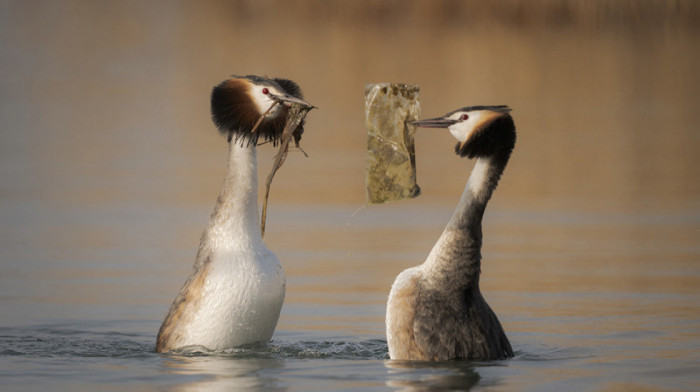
(435, 310)
(235, 292)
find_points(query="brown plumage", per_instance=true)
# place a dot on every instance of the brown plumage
(436, 311)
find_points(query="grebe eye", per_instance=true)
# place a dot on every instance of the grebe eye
(464, 117)
(265, 91)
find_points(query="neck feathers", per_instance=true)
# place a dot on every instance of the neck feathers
(456, 258)
(235, 221)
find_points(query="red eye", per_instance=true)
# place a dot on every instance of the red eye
(265, 91)
(464, 117)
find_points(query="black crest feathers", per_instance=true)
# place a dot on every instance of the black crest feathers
(235, 113)
(494, 139)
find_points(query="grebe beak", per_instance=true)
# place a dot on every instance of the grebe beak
(437, 122)
(289, 100)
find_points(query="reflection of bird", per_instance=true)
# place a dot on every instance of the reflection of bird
(235, 292)
(435, 310)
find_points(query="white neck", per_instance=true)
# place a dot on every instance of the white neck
(478, 182)
(476, 192)
(236, 215)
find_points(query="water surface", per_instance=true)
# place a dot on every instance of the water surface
(110, 166)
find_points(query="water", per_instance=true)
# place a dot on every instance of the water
(611, 325)
(109, 168)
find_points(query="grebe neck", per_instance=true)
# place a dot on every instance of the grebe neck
(236, 213)
(455, 260)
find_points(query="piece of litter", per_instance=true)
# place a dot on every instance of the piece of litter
(391, 164)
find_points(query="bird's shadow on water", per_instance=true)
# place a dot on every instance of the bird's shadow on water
(271, 366)
(422, 375)
(206, 370)
(304, 349)
(466, 374)
(259, 364)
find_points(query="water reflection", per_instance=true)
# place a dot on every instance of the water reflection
(219, 373)
(430, 376)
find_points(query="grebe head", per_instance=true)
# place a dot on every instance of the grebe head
(480, 130)
(239, 102)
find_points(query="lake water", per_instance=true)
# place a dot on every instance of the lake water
(109, 169)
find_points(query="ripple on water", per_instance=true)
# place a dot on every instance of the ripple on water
(67, 341)
(48, 341)
(335, 349)
(64, 343)
(552, 354)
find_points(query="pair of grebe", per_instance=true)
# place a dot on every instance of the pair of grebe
(235, 292)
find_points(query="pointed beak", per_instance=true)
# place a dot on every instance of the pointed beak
(289, 100)
(438, 122)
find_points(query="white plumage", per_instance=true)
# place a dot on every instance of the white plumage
(235, 292)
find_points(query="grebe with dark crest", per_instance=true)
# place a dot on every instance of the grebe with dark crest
(235, 291)
(435, 310)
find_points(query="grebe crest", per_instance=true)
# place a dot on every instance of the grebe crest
(238, 103)
(236, 289)
(435, 310)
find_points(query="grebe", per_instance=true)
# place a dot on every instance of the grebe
(235, 292)
(435, 310)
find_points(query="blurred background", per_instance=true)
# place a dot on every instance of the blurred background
(110, 165)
